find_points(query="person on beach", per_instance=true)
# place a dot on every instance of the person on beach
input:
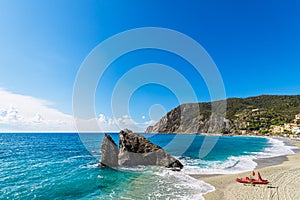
(252, 176)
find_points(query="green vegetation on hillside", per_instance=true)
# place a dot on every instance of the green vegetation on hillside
(253, 114)
(259, 113)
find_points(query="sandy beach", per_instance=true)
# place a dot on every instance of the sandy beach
(284, 181)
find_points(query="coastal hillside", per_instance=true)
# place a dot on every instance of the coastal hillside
(260, 114)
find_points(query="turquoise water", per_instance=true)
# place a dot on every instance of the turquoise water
(64, 166)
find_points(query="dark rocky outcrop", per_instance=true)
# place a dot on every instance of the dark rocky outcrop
(135, 150)
(109, 151)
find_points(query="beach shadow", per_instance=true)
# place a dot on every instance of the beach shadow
(273, 187)
(273, 194)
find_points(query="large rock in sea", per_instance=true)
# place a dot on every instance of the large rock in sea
(137, 150)
(109, 151)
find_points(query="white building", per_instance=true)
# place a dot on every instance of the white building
(296, 130)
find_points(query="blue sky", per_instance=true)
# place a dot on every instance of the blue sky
(255, 45)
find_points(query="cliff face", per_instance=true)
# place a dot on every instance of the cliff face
(190, 118)
(253, 114)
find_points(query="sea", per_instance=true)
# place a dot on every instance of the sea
(65, 166)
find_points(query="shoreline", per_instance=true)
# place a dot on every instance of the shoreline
(283, 172)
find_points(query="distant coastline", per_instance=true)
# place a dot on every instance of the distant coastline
(266, 115)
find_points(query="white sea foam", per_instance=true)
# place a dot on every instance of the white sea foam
(74, 158)
(133, 168)
(89, 166)
(181, 185)
(236, 164)
(162, 183)
(81, 156)
(233, 165)
(277, 148)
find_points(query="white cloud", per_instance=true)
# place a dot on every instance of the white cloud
(102, 118)
(21, 113)
(115, 125)
(150, 122)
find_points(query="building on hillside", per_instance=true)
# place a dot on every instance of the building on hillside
(288, 127)
(297, 119)
(276, 129)
(296, 130)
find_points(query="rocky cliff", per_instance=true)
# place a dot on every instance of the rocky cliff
(135, 150)
(253, 114)
(190, 118)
